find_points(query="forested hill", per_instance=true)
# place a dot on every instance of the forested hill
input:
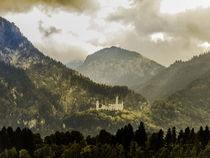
(194, 100)
(189, 106)
(21, 103)
(176, 77)
(42, 90)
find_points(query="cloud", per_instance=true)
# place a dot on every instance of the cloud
(128, 27)
(47, 32)
(26, 5)
(183, 32)
(61, 52)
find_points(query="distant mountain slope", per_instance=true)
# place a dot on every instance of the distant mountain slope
(116, 66)
(74, 64)
(45, 86)
(190, 106)
(176, 77)
(195, 99)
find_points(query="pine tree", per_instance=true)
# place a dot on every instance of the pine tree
(125, 136)
(160, 138)
(201, 136)
(181, 136)
(168, 138)
(206, 135)
(156, 141)
(140, 135)
(187, 135)
(192, 136)
(174, 135)
(105, 137)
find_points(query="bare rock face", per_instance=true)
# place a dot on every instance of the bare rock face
(15, 49)
(116, 66)
(10, 35)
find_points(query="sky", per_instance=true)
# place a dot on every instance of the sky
(67, 30)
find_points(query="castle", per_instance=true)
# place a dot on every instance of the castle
(116, 106)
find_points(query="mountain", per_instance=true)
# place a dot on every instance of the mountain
(39, 92)
(21, 103)
(175, 78)
(74, 64)
(194, 101)
(189, 106)
(44, 95)
(116, 66)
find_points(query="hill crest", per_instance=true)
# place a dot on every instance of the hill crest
(117, 66)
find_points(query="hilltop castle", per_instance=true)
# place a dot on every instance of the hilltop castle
(116, 106)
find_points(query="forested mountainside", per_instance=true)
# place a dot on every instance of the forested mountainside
(116, 66)
(21, 103)
(176, 77)
(48, 88)
(44, 95)
(194, 100)
(187, 106)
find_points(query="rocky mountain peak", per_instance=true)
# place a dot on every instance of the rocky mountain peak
(16, 49)
(10, 35)
(117, 66)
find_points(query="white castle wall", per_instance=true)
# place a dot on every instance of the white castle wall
(115, 106)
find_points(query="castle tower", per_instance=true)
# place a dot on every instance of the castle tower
(117, 100)
(97, 105)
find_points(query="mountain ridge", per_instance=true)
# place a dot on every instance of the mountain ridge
(117, 66)
(176, 77)
(54, 90)
(44, 95)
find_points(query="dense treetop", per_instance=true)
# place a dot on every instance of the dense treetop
(126, 143)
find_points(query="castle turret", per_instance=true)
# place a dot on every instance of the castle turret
(97, 105)
(117, 100)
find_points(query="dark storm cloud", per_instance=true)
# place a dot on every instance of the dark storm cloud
(47, 32)
(185, 30)
(26, 5)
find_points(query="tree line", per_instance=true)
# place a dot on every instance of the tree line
(126, 143)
